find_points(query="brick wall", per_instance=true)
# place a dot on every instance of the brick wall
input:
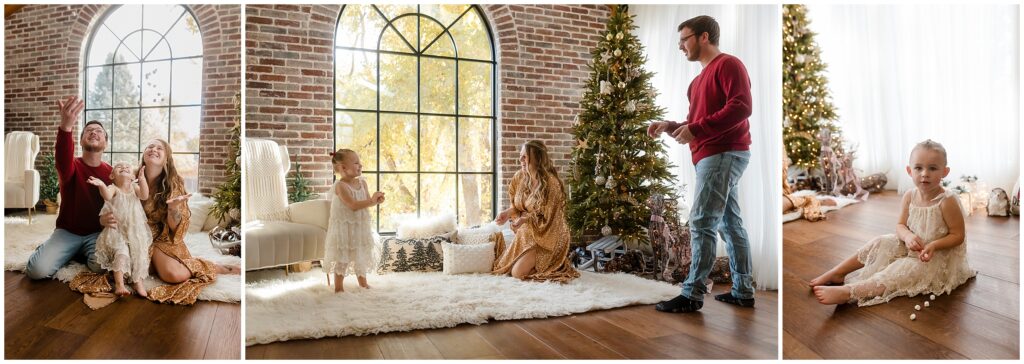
(43, 55)
(542, 55)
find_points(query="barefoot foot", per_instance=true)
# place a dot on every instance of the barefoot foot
(832, 295)
(140, 289)
(362, 282)
(827, 279)
(120, 290)
(228, 269)
(339, 285)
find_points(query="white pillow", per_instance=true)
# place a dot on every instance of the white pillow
(411, 228)
(458, 258)
(200, 208)
(478, 235)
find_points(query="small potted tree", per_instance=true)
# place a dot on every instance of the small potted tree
(49, 186)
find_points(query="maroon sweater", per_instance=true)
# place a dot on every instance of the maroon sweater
(80, 201)
(720, 104)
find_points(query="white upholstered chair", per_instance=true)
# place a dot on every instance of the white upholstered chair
(278, 233)
(21, 179)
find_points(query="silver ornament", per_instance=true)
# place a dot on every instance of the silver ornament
(606, 230)
(599, 180)
(610, 184)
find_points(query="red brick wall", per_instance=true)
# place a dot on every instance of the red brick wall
(542, 55)
(43, 55)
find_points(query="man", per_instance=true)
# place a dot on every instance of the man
(78, 223)
(718, 132)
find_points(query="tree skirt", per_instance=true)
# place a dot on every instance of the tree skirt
(841, 202)
(301, 305)
(21, 239)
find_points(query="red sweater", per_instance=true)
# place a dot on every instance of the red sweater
(720, 104)
(80, 202)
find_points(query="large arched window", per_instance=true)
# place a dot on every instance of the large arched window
(143, 80)
(414, 96)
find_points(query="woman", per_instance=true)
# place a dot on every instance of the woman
(168, 217)
(536, 194)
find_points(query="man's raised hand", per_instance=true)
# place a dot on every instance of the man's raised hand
(69, 109)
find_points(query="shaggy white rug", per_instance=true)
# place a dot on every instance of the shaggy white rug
(21, 239)
(301, 305)
(841, 202)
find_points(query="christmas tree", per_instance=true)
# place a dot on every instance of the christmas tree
(616, 167)
(228, 198)
(808, 114)
(401, 261)
(298, 187)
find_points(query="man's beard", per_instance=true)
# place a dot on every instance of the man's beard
(94, 148)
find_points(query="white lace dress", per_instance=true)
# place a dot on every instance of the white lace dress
(349, 243)
(894, 270)
(126, 248)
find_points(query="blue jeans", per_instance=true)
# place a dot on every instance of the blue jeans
(716, 210)
(58, 250)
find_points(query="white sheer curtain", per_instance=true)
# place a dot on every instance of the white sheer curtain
(900, 74)
(752, 33)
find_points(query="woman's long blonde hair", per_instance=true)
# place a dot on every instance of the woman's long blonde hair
(165, 184)
(541, 169)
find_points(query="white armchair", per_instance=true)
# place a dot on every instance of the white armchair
(277, 233)
(21, 179)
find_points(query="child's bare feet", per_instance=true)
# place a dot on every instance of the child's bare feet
(362, 282)
(140, 289)
(228, 269)
(120, 290)
(339, 283)
(827, 279)
(832, 295)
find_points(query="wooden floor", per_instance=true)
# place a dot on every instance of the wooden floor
(979, 320)
(46, 320)
(718, 331)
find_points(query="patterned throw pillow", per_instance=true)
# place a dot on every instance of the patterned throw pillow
(472, 258)
(410, 255)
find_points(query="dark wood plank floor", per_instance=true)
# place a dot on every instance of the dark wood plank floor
(979, 320)
(639, 332)
(46, 320)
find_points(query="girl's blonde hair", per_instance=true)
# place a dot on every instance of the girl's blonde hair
(541, 169)
(340, 155)
(929, 144)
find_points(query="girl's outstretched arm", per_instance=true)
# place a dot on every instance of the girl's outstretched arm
(107, 192)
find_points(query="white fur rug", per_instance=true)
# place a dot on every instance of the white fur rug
(301, 305)
(841, 202)
(21, 239)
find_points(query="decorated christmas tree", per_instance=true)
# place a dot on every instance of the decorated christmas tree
(616, 167)
(808, 114)
(228, 198)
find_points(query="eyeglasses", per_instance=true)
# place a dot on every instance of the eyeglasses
(683, 40)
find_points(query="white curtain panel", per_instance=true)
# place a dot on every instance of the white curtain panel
(753, 33)
(900, 74)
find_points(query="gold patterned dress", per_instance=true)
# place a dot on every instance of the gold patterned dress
(172, 243)
(544, 230)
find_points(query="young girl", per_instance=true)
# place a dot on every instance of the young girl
(926, 255)
(124, 248)
(349, 237)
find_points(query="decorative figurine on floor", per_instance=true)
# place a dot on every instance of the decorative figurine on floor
(998, 203)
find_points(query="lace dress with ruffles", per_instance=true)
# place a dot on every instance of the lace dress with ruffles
(349, 242)
(894, 270)
(125, 248)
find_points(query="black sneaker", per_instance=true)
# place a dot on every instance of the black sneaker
(679, 304)
(728, 298)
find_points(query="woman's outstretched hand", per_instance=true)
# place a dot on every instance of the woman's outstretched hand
(517, 223)
(175, 202)
(502, 218)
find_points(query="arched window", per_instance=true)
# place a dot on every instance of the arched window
(414, 96)
(143, 80)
